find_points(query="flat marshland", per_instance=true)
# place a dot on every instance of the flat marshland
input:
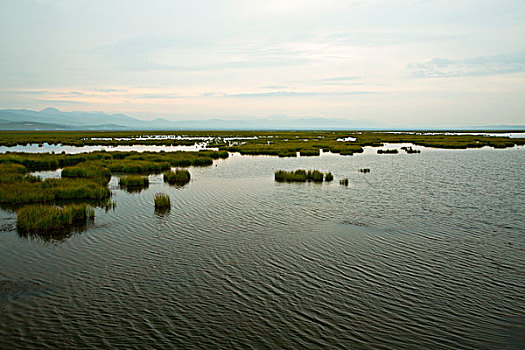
(258, 232)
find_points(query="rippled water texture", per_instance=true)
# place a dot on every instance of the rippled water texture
(426, 251)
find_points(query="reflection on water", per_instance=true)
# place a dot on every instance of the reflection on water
(58, 236)
(423, 252)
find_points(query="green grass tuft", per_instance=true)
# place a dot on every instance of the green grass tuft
(301, 175)
(179, 176)
(134, 181)
(48, 218)
(162, 201)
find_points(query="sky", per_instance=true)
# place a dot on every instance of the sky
(400, 62)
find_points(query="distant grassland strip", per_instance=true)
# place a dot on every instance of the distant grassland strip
(277, 143)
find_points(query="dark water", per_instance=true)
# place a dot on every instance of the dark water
(425, 252)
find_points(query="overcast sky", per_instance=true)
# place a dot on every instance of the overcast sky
(411, 62)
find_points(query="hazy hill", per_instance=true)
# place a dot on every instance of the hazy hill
(54, 119)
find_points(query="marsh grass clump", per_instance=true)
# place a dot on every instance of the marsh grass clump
(180, 176)
(48, 218)
(50, 190)
(315, 176)
(329, 177)
(310, 152)
(344, 181)
(364, 170)
(301, 175)
(134, 181)
(387, 151)
(89, 171)
(132, 166)
(162, 202)
(410, 150)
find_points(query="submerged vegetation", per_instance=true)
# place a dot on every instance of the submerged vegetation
(302, 175)
(49, 218)
(179, 176)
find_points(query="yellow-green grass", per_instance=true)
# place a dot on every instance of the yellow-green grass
(51, 190)
(177, 176)
(49, 218)
(162, 201)
(134, 181)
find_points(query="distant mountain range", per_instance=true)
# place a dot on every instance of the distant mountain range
(53, 119)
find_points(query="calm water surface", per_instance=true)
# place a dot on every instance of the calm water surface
(425, 252)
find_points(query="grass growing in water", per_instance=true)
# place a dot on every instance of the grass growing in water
(48, 218)
(89, 171)
(387, 151)
(178, 176)
(344, 181)
(410, 150)
(329, 177)
(162, 201)
(364, 170)
(134, 181)
(300, 175)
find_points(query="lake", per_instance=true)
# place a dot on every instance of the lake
(424, 252)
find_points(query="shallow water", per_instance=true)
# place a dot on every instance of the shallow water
(425, 251)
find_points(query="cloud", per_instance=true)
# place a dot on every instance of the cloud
(298, 94)
(23, 92)
(157, 95)
(110, 90)
(274, 87)
(469, 67)
(346, 80)
(338, 79)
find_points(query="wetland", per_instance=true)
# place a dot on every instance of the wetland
(406, 250)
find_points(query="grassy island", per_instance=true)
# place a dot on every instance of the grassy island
(179, 176)
(134, 181)
(48, 218)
